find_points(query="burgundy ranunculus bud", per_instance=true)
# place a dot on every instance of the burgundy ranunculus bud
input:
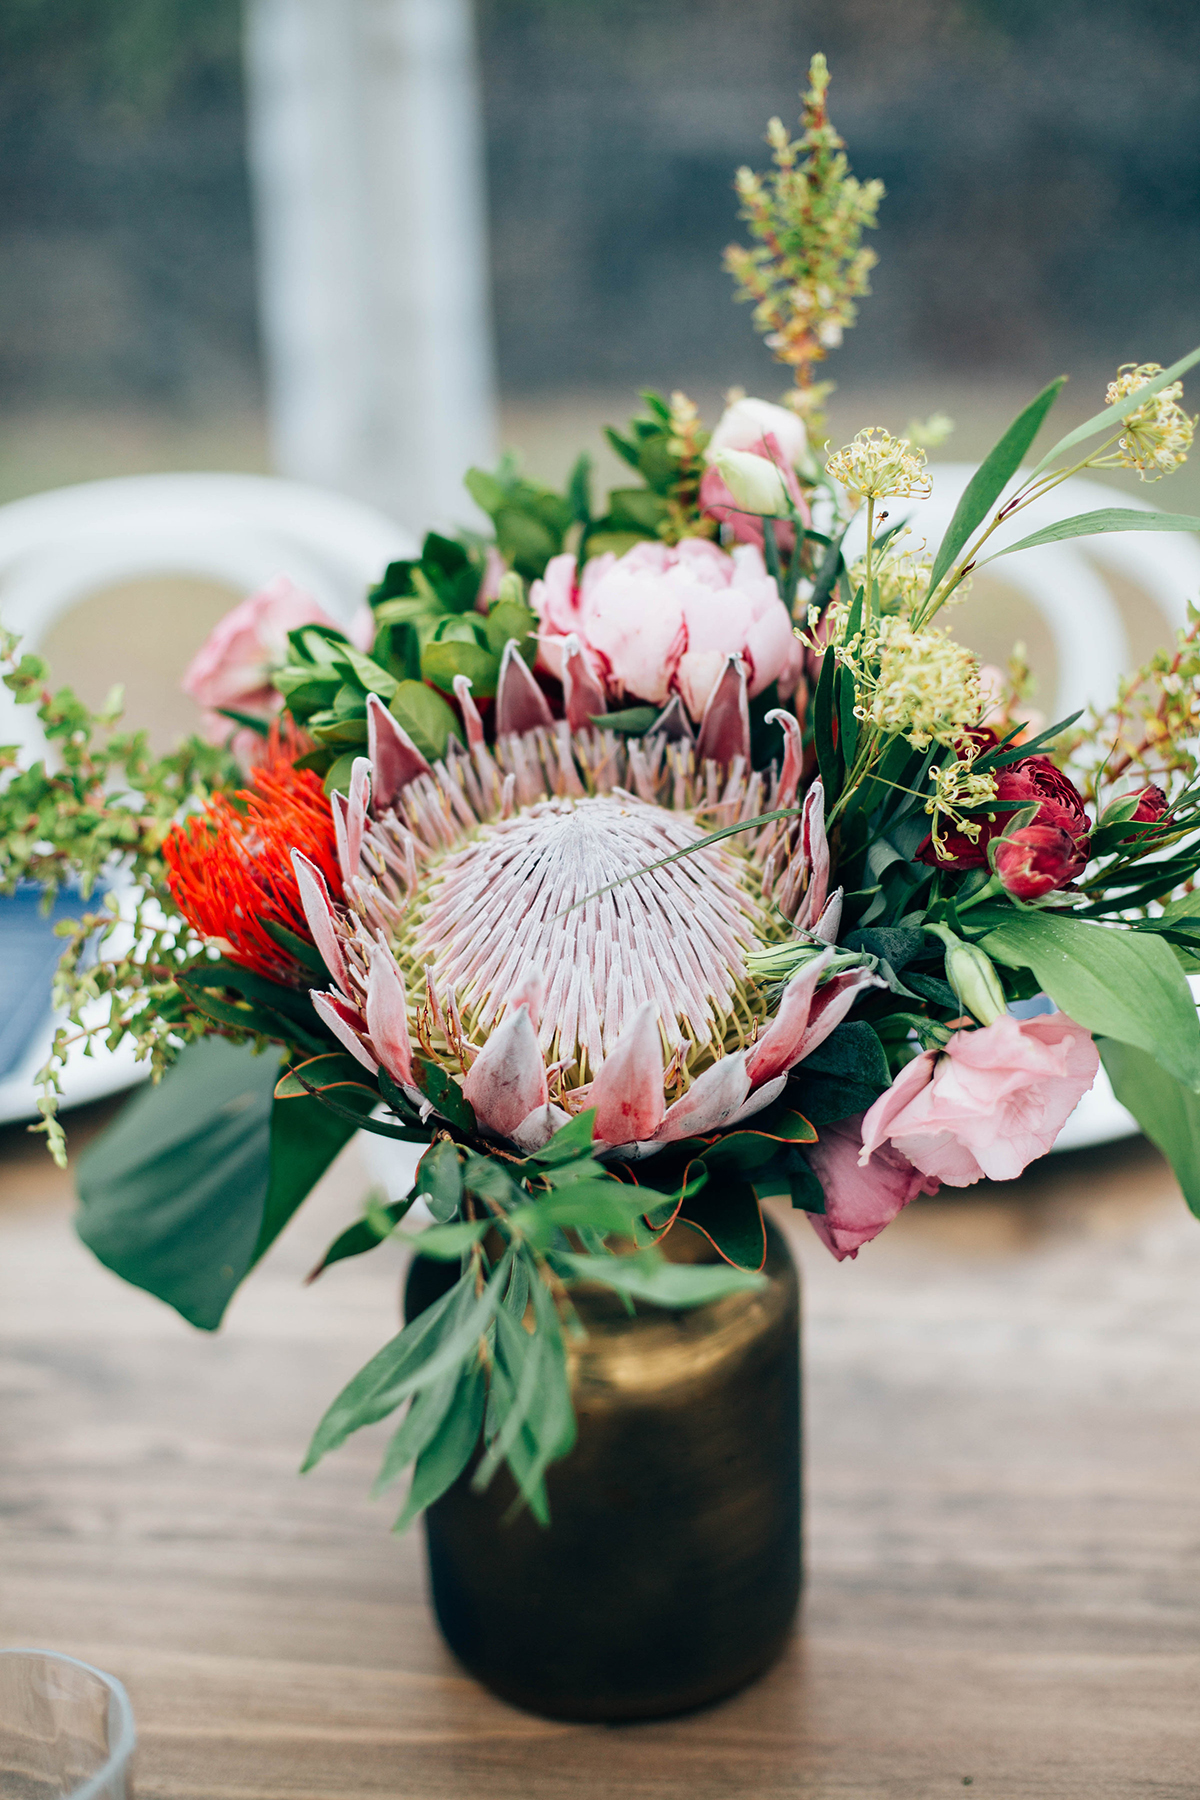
(1151, 804)
(1034, 781)
(1037, 859)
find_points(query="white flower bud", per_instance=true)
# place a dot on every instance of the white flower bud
(973, 977)
(756, 484)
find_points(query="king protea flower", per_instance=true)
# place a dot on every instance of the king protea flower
(462, 937)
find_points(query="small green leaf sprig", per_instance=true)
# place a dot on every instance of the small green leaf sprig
(808, 265)
(489, 1357)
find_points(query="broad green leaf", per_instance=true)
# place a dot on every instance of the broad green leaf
(991, 478)
(426, 717)
(635, 720)
(446, 1456)
(607, 1205)
(572, 1141)
(649, 1276)
(194, 1178)
(525, 1358)
(303, 949)
(443, 660)
(335, 1069)
(445, 1243)
(1111, 415)
(360, 1237)
(367, 674)
(439, 1180)
(1118, 984)
(443, 1093)
(1167, 1112)
(728, 1214)
(1094, 524)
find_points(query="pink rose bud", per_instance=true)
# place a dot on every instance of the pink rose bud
(1037, 859)
(1151, 804)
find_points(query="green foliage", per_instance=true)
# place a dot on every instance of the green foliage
(1117, 983)
(196, 1177)
(484, 1368)
(1167, 1111)
(428, 630)
(531, 521)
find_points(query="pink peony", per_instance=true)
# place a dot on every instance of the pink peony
(860, 1197)
(234, 667)
(747, 421)
(744, 527)
(987, 1105)
(662, 620)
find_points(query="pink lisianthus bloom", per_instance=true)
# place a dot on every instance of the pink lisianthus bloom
(860, 1197)
(664, 619)
(235, 665)
(989, 1103)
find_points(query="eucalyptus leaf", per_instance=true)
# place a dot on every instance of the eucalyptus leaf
(1094, 524)
(445, 1457)
(991, 478)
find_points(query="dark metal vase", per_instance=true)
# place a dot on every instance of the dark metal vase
(670, 1573)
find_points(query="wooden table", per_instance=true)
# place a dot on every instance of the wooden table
(1003, 1514)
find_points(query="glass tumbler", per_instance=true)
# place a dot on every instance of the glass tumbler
(66, 1729)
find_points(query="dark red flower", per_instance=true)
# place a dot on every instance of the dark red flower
(1037, 859)
(229, 867)
(1151, 804)
(1034, 781)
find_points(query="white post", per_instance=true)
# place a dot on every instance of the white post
(367, 168)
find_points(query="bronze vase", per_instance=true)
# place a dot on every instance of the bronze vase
(670, 1572)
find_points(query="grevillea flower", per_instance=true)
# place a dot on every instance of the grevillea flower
(230, 871)
(481, 928)
(661, 620)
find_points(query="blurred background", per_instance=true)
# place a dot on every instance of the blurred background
(364, 242)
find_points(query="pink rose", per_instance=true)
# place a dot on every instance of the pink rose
(744, 527)
(235, 666)
(860, 1197)
(663, 619)
(987, 1105)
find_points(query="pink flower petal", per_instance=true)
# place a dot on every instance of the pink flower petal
(698, 674)
(387, 1016)
(535, 1131)
(583, 694)
(863, 1193)
(713, 1100)
(507, 1080)
(779, 1047)
(793, 754)
(628, 1089)
(725, 727)
(520, 703)
(472, 723)
(338, 1015)
(529, 991)
(318, 911)
(814, 851)
(395, 759)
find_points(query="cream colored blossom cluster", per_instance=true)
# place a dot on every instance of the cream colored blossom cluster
(1158, 435)
(878, 466)
(900, 578)
(956, 786)
(917, 683)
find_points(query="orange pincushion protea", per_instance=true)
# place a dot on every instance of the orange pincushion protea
(229, 867)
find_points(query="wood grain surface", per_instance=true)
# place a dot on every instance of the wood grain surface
(1003, 1514)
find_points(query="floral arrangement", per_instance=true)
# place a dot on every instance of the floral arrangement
(648, 861)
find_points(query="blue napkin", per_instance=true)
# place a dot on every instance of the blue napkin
(29, 953)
